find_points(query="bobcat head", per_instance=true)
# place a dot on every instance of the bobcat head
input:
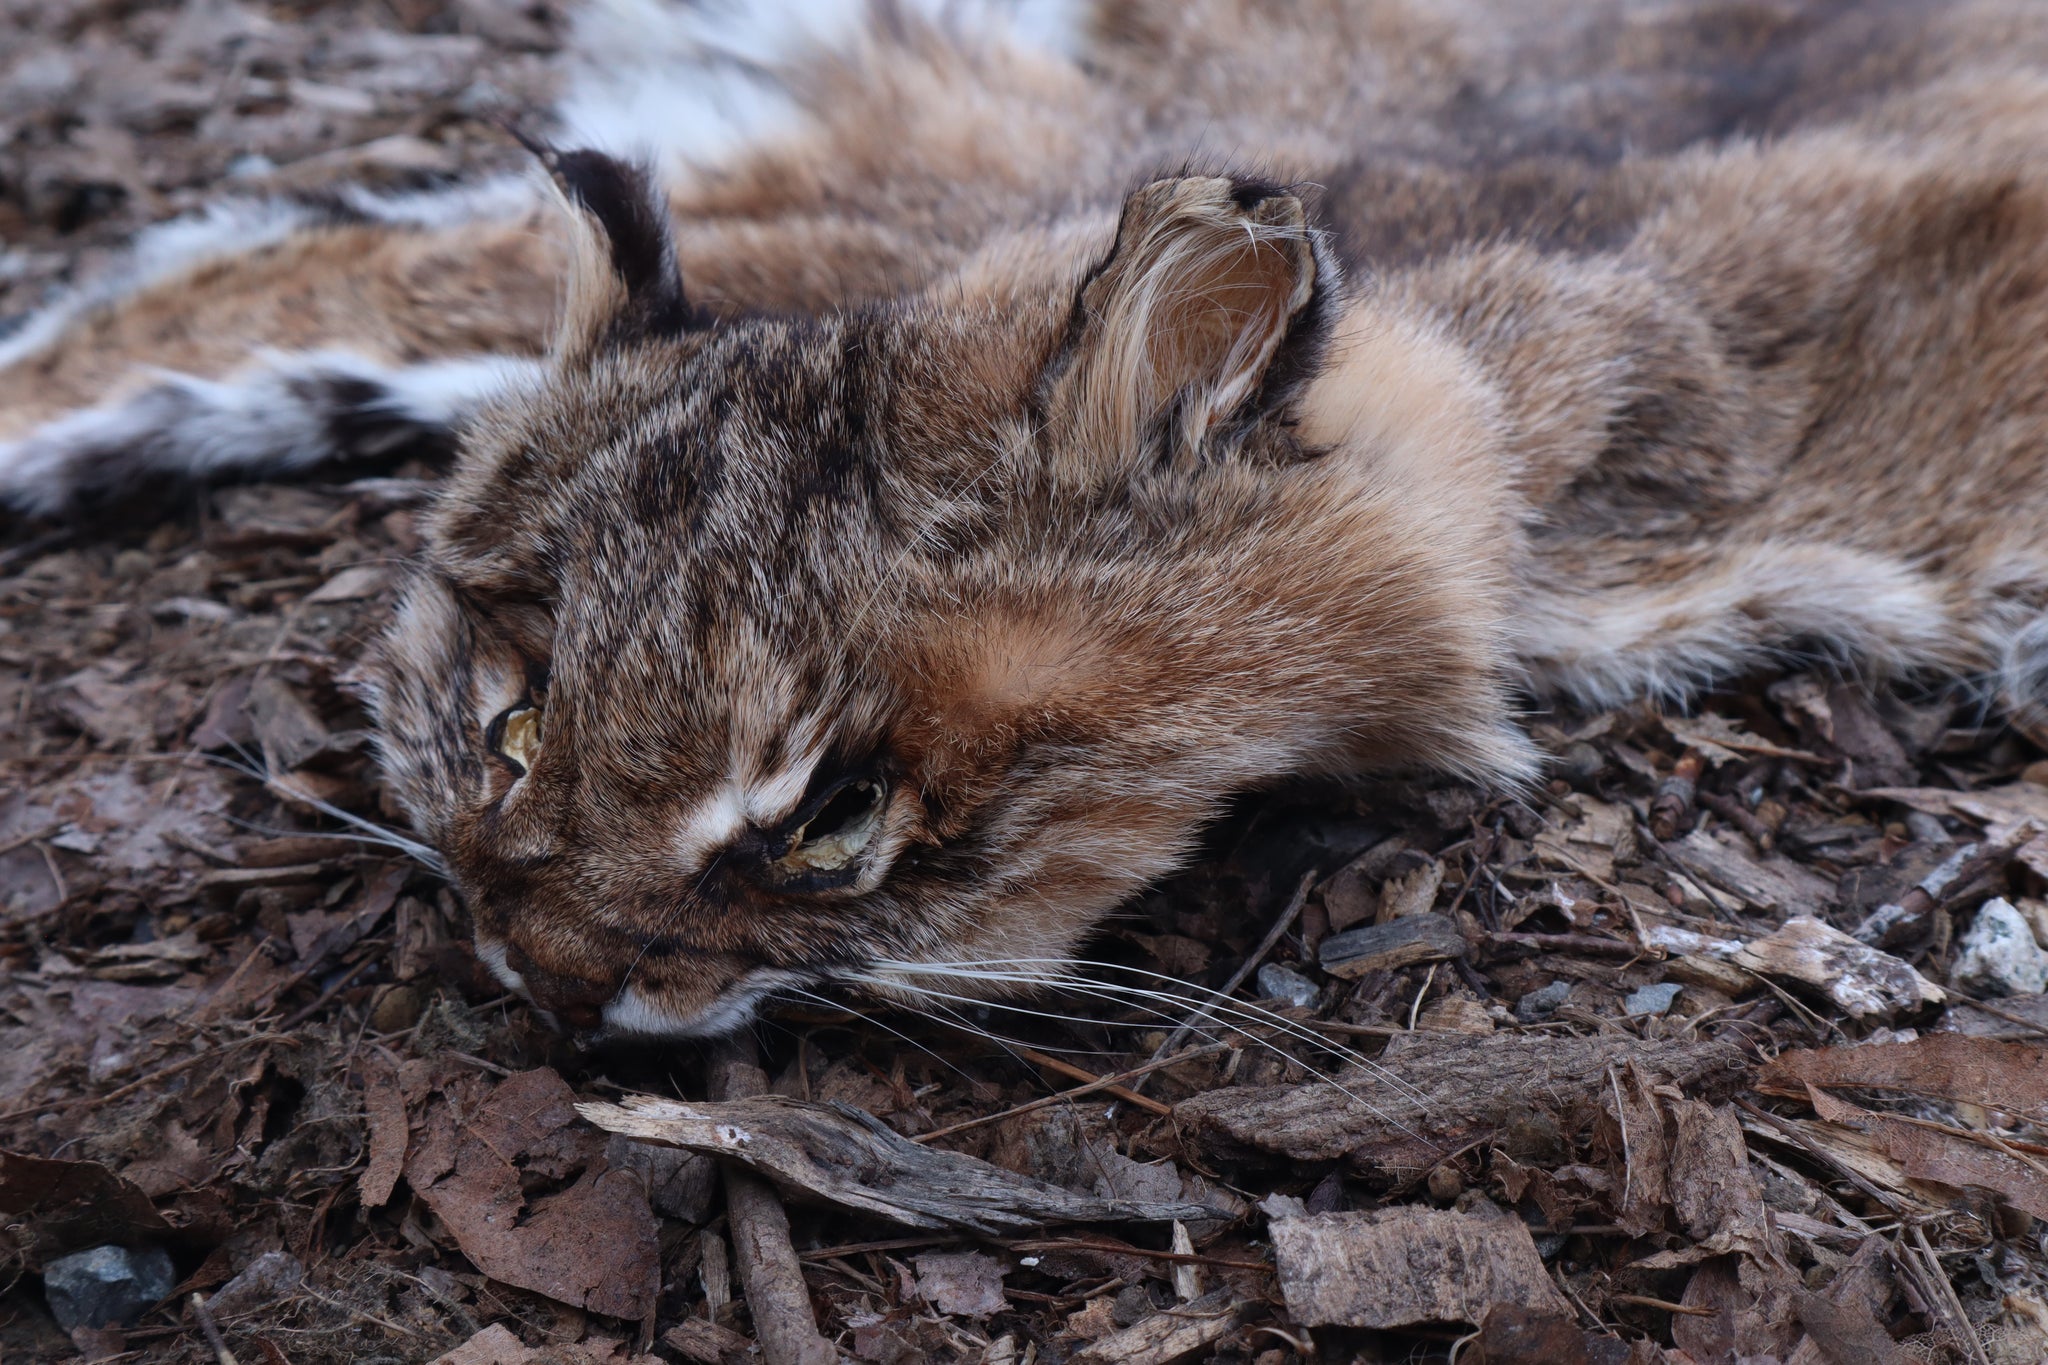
(777, 653)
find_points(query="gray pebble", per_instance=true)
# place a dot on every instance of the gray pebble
(107, 1286)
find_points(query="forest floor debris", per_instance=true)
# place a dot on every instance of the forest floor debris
(1693, 1053)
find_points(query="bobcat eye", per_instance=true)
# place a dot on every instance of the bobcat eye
(839, 831)
(515, 736)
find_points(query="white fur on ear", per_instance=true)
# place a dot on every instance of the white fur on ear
(1208, 279)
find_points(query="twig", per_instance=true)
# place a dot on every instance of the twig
(1671, 809)
(770, 1275)
(211, 1330)
(1950, 1302)
(1788, 1133)
(2033, 1029)
(1592, 945)
(1738, 815)
(1072, 1072)
(24, 840)
(341, 983)
(1251, 963)
(123, 1092)
(1122, 1249)
(1664, 1305)
(1065, 1096)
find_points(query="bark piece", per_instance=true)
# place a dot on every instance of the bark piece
(1402, 1267)
(1397, 943)
(1946, 1158)
(1861, 979)
(1771, 883)
(1443, 1090)
(845, 1157)
(1167, 1336)
(969, 1283)
(706, 1343)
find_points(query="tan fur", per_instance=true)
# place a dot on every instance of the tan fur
(1585, 350)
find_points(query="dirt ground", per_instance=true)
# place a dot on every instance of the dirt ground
(1727, 1044)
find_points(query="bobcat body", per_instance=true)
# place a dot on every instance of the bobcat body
(893, 511)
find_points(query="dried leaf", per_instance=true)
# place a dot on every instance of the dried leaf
(1946, 1066)
(384, 1108)
(592, 1246)
(1946, 1158)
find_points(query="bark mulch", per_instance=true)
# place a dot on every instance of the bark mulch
(1726, 1044)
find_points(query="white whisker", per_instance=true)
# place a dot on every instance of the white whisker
(1227, 1005)
(893, 976)
(370, 832)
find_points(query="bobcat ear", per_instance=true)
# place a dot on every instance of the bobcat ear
(623, 279)
(1211, 304)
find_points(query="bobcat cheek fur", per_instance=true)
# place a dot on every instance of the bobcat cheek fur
(883, 546)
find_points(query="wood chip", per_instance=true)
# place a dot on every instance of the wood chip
(1772, 883)
(1397, 943)
(384, 1109)
(1167, 1336)
(1405, 1266)
(1864, 981)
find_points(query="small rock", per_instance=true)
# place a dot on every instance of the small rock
(1285, 984)
(1998, 955)
(1540, 1004)
(1655, 999)
(108, 1286)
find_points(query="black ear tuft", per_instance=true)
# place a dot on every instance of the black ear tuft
(621, 198)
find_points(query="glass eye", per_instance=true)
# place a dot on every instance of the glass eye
(841, 830)
(515, 736)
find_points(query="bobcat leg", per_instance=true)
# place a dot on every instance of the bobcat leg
(272, 337)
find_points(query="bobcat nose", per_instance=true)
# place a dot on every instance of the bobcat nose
(575, 1000)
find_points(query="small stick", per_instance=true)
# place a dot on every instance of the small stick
(770, 1274)
(1250, 964)
(1664, 1305)
(211, 1330)
(24, 840)
(341, 984)
(1738, 815)
(1952, 1304)
(1072, 1072)
(1671, 810)
(1066, 1096)
(1592, 945)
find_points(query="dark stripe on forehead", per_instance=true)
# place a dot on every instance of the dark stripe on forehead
(834, 456)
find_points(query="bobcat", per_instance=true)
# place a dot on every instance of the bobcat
(911, 464)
